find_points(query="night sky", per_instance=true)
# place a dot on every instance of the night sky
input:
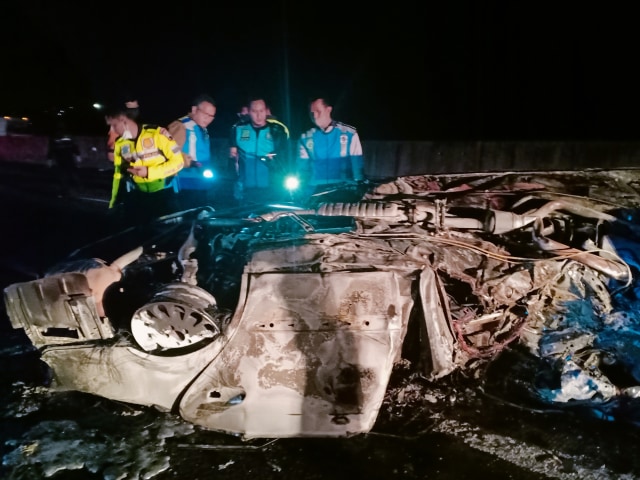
(403, 71)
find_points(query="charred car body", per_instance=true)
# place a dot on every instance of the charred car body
(284, 321)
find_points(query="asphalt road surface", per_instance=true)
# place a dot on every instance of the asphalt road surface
(449, 431)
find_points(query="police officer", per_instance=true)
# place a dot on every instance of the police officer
(260, 153)
(330, 152)
(190, 132)
(146, 159)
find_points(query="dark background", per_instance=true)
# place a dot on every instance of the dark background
(397, 70)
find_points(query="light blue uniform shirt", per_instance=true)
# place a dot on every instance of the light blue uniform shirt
(330, 156)
(198, 146)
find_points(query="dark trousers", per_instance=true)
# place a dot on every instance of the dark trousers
(138, 208)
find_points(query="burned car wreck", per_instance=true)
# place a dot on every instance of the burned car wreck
(287, 321)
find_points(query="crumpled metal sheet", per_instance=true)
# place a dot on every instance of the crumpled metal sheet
(289, 323)
(56, 310)
(310, 355)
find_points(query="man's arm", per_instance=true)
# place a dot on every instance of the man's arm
(281, 144)
(304, 161)
(233, 151)
(178, 132)
(117, 176)
(357, 158)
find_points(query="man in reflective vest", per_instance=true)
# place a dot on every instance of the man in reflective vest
(330, 152)
(260, 154)
(190, 132)
(145, 158)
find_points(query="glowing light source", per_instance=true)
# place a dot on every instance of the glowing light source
(291, 183)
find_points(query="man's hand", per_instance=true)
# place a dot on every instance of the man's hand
(188, 161)
(140, 171)
(268, 159)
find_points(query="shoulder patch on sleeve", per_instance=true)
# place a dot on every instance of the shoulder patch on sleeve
(345, 128)
(309, 133)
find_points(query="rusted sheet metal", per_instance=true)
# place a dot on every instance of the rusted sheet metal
(310, 355)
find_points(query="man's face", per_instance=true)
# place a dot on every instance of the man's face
(203, 114)
(117, 124)
(258, 113)
(320, 114)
